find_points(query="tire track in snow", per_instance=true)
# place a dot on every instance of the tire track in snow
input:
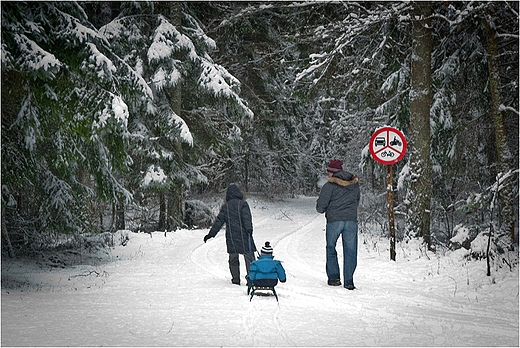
(212, 256)
(296, 243)
(209, 257)
(277, 323)
(303, 254)
(257, 326)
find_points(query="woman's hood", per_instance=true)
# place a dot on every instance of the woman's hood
(233, 192)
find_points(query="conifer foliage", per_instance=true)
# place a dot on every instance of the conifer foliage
(88, 115)
(64, 121)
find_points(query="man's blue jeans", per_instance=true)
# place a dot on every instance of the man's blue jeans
(349, 237)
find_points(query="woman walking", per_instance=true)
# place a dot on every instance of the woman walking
(235, 213)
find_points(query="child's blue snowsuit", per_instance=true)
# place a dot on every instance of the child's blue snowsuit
(266, 271)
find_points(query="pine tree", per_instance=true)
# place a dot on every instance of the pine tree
(65, 124)
(194, 110)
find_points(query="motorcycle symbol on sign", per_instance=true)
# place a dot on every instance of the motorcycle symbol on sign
(395, 142)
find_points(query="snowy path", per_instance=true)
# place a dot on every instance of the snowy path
(174, 290)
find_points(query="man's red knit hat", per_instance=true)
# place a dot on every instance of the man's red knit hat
(335, 166)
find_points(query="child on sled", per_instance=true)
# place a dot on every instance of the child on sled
(265, 272)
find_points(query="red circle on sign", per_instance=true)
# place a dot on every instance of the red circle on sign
(387, 145)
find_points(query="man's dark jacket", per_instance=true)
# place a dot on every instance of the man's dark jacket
(235, 213)
(339, 197)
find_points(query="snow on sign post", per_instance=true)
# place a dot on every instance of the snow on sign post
(388, 146)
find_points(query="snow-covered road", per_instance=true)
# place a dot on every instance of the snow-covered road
(174, 290)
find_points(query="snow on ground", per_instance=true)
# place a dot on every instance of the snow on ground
(173, 290)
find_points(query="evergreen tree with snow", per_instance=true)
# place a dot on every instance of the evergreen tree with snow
(64, 120)
(194, 112)
(82, 108)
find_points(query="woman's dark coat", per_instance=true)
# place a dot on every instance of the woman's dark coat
(235, 213)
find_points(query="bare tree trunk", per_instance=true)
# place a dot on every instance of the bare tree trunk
(174, 194)
(246, 171)
(106, 12)
(162, 211)
(5, 234)
(506, 194)
(174, 208)
(418, 217)
(120, 215)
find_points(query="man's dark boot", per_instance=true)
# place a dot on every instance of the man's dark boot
(334, 282)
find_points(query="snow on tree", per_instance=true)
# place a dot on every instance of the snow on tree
(419, 194)
(87, 105)
(190, 93)
(64, 102)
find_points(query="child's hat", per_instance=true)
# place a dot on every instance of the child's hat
(267, 249)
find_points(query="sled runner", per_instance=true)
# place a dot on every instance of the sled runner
(251, 290)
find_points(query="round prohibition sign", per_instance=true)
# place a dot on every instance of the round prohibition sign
(387, 145)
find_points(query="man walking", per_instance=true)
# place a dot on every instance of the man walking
(339, 199)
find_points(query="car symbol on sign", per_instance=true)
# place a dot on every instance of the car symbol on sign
(380, 141)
